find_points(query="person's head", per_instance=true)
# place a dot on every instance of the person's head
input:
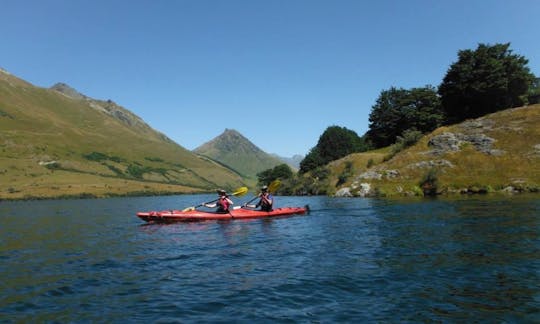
(264, 188)
(221, 192)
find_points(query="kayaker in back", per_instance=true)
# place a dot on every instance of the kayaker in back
(267, 200)
(223, 203)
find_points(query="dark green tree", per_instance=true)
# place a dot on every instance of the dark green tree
(312, 160)
(398, 110)
(335, 143)
(534, 92)
(281, 172)
(486, 80)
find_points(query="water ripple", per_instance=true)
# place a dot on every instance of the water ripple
(350, 260)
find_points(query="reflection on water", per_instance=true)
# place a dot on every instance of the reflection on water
(470, 259)
(350, 260)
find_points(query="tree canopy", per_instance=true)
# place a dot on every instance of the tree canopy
(335, 143)
(483, 81)
(399, 110)
(534, 92)
(282, 172)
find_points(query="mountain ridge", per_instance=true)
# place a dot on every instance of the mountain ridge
(239, 153)
(58, 142)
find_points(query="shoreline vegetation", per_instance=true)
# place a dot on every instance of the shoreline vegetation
(473, 191)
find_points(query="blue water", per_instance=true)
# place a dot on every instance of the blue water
(472, 259)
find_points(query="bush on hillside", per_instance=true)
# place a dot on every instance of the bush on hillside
(430, 183)
(408, 138)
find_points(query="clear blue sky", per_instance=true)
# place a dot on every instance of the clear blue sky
(278, 71)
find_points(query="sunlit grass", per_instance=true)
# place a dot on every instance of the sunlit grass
(516, 133)
(40, 128)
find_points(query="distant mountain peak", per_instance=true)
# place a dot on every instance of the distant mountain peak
(231, 134)
(233, 149)
(68, 91)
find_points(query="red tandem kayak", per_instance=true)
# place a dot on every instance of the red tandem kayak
(168, 216)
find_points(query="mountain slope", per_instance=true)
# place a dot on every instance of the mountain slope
(497, 152)
(57, 142)
(237, 152)
(293, 162)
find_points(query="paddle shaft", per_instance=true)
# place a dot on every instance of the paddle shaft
(240, 192)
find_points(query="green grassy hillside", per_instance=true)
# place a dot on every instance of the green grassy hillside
(236, 151)
(52, 144)
(499, 152)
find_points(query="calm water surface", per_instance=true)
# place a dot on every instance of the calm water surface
(350, 260)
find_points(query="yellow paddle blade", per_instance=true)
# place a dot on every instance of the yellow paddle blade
(274, 185)
(188, 209)
(240, 192)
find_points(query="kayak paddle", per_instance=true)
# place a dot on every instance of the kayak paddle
(238, 193)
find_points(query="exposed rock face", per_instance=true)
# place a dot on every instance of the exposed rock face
(452, 142)
(365, 190)
(391, 174)
(370, 175)
(431, 164)
(472, 133)
(344, 192)
(446, 142)
(362, 190)
(379, 174)
(67, 91)
(536, 149)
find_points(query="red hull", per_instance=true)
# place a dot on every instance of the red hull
(169, 216)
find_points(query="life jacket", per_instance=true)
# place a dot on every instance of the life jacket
(265, 206)
(223, 205)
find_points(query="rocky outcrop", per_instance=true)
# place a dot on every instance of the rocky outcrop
(67, 91)
(370, 175)
(536, 149)
(356, 190)
(472, 132)
(431, 164)
(379, 174)
(344, 192)
(452, 142)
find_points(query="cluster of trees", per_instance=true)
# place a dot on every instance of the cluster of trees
(335, 143)
(281, 172)
(482, 81)
(399, 110)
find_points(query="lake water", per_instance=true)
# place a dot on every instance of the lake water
(349, 260)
